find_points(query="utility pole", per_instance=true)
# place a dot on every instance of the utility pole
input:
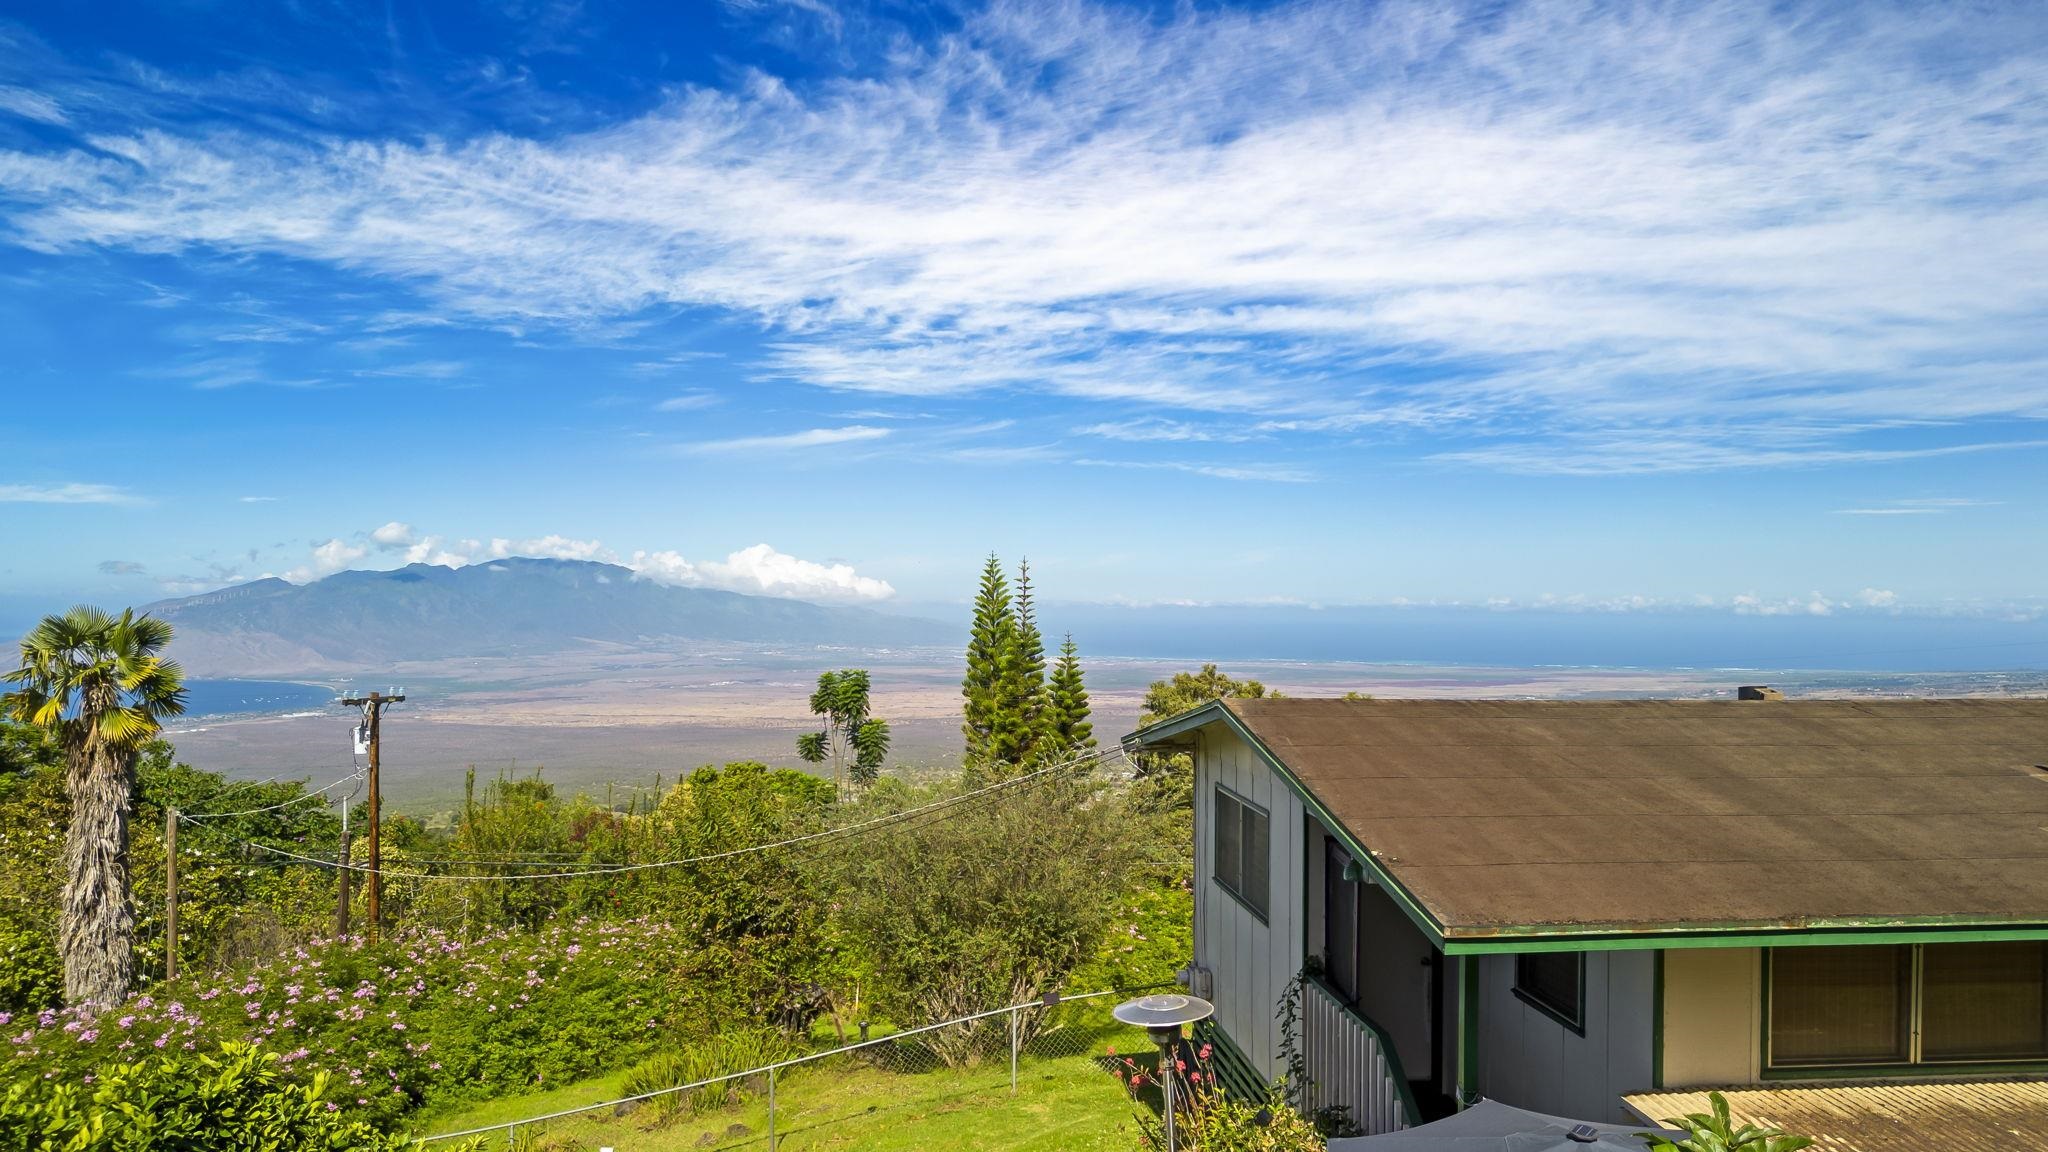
(341, 898)
(170, 893)
(373, 707)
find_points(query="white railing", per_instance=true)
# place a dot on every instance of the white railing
(1350, 1063)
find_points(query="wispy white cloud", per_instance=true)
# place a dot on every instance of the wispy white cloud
(256, 499)
(1275, 473)
(1585, 220)
(32, 105)
(809, 438)
(1157, 430)
(1696, 448)
(1919, 506)
(687, 402)
(67, 494)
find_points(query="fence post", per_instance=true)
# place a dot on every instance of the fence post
(771, 1109)
(512, 1136)
(1013, 1051)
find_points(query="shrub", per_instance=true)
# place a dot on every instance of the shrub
(720, 1055)
(237, 1101)
(1715, 1131)
(424, 1016)
(993, 905)
(1207, 1120)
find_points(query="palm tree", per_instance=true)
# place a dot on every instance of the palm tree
(101, 685)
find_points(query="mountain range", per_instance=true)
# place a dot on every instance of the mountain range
(370, 619)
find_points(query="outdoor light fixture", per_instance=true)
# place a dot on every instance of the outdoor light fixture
(1162, 1016)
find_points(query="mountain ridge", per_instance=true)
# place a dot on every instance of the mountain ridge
(365, 618)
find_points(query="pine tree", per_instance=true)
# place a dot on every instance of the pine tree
(1026, 685)
(988, 652)
(1067, 729)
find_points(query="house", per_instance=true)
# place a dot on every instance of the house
(1565, 904)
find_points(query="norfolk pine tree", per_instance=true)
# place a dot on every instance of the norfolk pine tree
(989, 647)
(1026, 675)
(1067, 729)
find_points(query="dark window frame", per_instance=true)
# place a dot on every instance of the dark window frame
(1235, 885)
(1916, 1062)
(1572, 1016)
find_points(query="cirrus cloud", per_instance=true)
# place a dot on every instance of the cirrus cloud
(1601, 223)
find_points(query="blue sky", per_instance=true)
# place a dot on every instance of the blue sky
(1730, 307)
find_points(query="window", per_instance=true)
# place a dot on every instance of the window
(1847, 1005)
(1243, 850)
(1973, 1003)
(1554, 983)
(1983, 1001)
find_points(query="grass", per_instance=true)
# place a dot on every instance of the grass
(1067, 1103)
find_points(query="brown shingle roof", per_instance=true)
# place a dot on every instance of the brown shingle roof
(1643, 815)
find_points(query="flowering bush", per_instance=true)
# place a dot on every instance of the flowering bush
(424, 1016)
(238, 1101)
(1206, 1119)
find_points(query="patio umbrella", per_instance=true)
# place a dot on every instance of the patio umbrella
(1490, 1126)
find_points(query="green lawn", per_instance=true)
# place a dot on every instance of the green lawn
(1067, 1103)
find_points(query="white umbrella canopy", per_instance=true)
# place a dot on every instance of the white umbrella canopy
(1490, 1126)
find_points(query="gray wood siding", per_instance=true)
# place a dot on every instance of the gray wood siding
(1252, 961)
(1529, 1060)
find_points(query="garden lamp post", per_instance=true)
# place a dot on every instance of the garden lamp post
(1162, 1017)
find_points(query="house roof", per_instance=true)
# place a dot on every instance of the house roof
(1578, 818)
(1962, 1116)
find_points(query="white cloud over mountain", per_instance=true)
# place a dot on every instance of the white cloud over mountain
(759, 570)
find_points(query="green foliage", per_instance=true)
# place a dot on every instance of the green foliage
(1065, 719)
(994, 904)
(237, 1101)
(1165, 781)
(96, 681)
(986, 719)
(1206, 1119)
(1151, 934)
(516, 819)
(99, 685)
(856, 742)
(423, 1016)
(1187, 691)
(1013, 717)
(1024, 671)
(233, 908)
(1715, 1131)
(719, 1055)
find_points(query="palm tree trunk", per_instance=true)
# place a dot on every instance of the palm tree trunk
(96, 930)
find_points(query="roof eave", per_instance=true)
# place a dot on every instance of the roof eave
(1160, 731)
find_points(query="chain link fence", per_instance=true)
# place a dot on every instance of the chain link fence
(1052, 1049)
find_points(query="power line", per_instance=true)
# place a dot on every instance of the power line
(1078, 764)
(317, 794)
